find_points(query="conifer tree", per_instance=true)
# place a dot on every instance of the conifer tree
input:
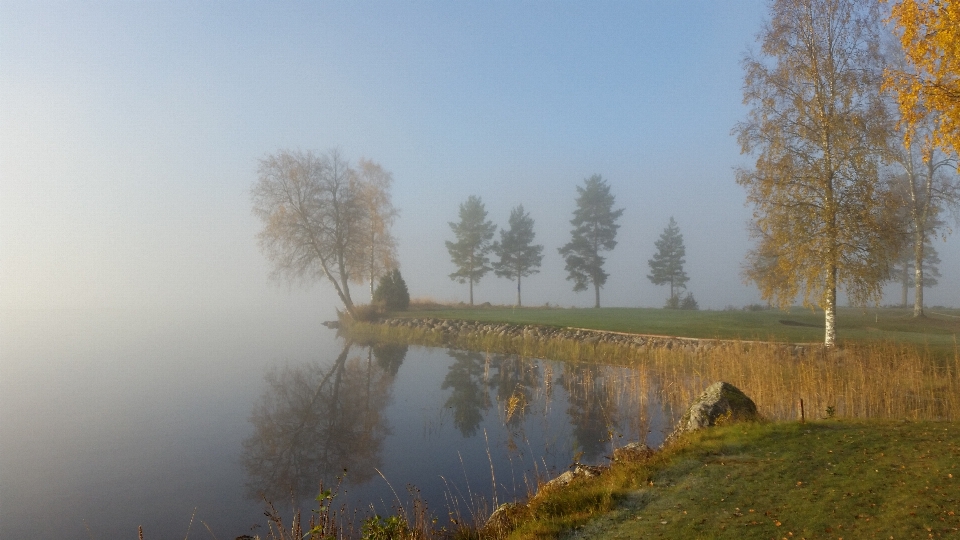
(594, 230)
(666, 266)
(469, 252)
(518, 256)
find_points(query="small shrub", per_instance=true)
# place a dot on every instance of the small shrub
(392, 292)
(689, 302)
(368, 312)
(673, 302)
(390, 528)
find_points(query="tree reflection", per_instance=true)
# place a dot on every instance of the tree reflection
(591, 406)
(470, 398)
(515, 381)
(473, 375)
(313, 422)
(389, 356)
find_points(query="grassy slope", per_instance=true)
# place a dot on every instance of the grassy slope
(797, 325)
(823, 479)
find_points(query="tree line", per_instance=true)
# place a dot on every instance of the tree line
(855, 132)
(594, 232)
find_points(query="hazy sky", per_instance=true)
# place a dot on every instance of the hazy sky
(131, 133)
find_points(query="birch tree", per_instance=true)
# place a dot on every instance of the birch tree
(311, 217)
(929, 32)
(377, 254)
(817, 127)
(924, 187)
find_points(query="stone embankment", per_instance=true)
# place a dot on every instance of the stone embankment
(452, 331)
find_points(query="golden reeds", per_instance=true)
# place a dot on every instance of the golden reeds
(881, 380)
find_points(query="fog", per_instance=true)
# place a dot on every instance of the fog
(131, 136)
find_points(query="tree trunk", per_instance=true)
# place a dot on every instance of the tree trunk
(518, 290)
(471, 291)
(830, 309)
(918, 275)
(905, 282)
(596, 289)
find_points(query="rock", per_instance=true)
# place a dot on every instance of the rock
(720, 403)
(578, 471)
(635, 451)
(503, 519)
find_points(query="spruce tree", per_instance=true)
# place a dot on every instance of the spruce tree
(666, 266)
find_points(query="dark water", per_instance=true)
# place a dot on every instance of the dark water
(113, 420)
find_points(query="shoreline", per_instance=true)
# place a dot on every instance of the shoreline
(556, 343)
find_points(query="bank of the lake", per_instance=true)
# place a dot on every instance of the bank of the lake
(755, 323)
(878, 458)
(824, 479)
(546, 341)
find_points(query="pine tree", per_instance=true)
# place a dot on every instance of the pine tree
(594, 229)
(469, 252)
(518, 256)
(666, 266)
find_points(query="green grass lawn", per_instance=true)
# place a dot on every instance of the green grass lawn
(798, 325)
(826, 479)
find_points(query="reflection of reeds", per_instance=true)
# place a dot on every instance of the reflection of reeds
(516, 404)
(869, 380)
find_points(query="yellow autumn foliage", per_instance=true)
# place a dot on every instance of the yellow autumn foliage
(930, 86)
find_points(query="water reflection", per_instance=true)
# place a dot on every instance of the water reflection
(592, 406)
(525, 419)
(469, 398)
(313, 422)
(389, 356)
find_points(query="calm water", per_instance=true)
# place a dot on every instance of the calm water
(111, 420)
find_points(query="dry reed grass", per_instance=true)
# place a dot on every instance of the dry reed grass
(876, 380)
(867, 381)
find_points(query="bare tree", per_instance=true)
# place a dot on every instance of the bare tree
(311, 217)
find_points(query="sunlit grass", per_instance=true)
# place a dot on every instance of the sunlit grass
(829, 479)
(797, 325)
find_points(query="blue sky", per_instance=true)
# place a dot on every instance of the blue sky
(131, 134)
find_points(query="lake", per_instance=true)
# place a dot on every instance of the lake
(113, 419)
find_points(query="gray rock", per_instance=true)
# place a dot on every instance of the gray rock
(633, 452)
(578, 471)
(720, 403)
(501, 522)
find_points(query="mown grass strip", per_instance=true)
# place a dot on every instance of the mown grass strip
(938, 331)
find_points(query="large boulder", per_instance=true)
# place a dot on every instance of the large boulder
(720, 403)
